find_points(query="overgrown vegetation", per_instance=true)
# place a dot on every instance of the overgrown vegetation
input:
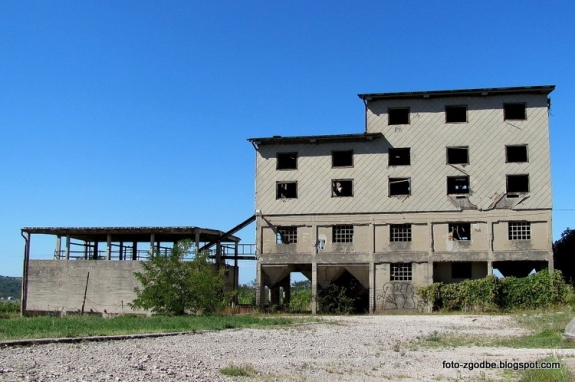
(490, 294)
(563, 258)
(340, 299)
(10, 287)
(9, 307)
(546, 375)
(239, 371)
(172, 286)
(82, 326)
(300, 297)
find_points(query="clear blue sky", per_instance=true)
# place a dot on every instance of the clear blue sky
(136, 113)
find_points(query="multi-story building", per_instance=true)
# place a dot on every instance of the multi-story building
(442, 186)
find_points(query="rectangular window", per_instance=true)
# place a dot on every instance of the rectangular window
(286, 235)
(461, 270)
(286, 190)
(519, 231)
(341, 187)
(342, 158)
(399, 157)
(459, 231)
(342, 234)
(399, 186)
(516, 154)
(457, 185)
(398, 116)
(399, 232)
(400, 272)
(454, 114)
(458, 155)
(517, 183)
(286, 161)
(514, 111)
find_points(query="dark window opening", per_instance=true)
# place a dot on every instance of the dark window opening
(399, 116)
(399, 186)
(516, 154)
(399, 157)
(341, 187)
(457, 155)
(461, 270)
(400, 272)
(514, 111)
(286, 235)
(459, 231)
(399, 232)
(342, 158)
(286, 161)
(342, 234)
(455, 114)
(286, 190)
(457, 185)
(517, 183)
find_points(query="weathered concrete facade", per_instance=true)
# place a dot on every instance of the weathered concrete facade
(441, 186)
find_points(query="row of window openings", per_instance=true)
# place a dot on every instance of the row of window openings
(403, 271)
(456, 185)
(402, 157)
(402, 232)
(456, 114)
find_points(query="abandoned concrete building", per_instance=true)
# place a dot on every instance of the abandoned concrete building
(442, 186)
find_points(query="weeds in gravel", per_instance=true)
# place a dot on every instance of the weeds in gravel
(84, 326)
(239, 371)
(546, 375)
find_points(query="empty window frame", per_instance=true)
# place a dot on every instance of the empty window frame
(341, 187)
(342, 158)
(399, 186)
(516, 154)
(401, 272)
(459, 231)
(286, 235)
(458, 155)
(398, 116)
(399, 157)
(286, 161)
(457, 185)
(517, 183)
(461, 270)
(399, 232)
(514, 111)
(342, 234)
(286, 190)
(519, 231)
(455, 114)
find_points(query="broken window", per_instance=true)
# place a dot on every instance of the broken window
(459, 231)
(399, 232)
(286, 190)
(286, 161)
(517, 183)
(398, 116)
(399, 186)
(399, 157)
(461, 270)
(457, 185)
(519, 231)
(341, 187)
(455, 114)
(286, 235)
(458, 155)
(342, 158)
(400, 272)
(516, 154)
(342, 234)
(514, 111)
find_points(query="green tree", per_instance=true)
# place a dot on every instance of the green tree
(172, 286)
(564, 255)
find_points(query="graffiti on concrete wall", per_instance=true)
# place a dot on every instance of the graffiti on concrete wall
(396, 295)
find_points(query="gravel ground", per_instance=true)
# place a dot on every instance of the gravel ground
(356, 348)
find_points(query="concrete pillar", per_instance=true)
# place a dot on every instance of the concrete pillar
(197, 241)
(23, 304)
(121, 256)
(67, 247)
(58, 251)
(135, 250)
(260, 287)
(371, 287)
(152, 241)
(287, 290)
(489, 267)
(314, 288)
(95, 255)
(109, 247)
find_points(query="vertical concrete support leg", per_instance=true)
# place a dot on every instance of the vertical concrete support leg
(489, 267)
(371, 287)
(152, 241)
(109, 247)
(67, 247)
(135, 250)
(95, 254)
(314, 288)
(27, 238)
(287, 291)
(260, 287)
(58, 251)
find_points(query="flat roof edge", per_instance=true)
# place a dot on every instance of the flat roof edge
(278, 139)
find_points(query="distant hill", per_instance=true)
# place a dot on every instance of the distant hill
(10, 286)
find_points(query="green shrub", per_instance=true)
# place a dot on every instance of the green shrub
(9, 307)
(300, 301)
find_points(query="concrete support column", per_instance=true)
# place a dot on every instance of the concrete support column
(67, 247)
(260, 287)
(371, 287)
(287, 291)
(58, 251)
(24, 300)
(135, 250)
(197, 240)
(489, 267)
(121, 250)
(314, 288)
(152, 241)
(95, 255)
(109, 247)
